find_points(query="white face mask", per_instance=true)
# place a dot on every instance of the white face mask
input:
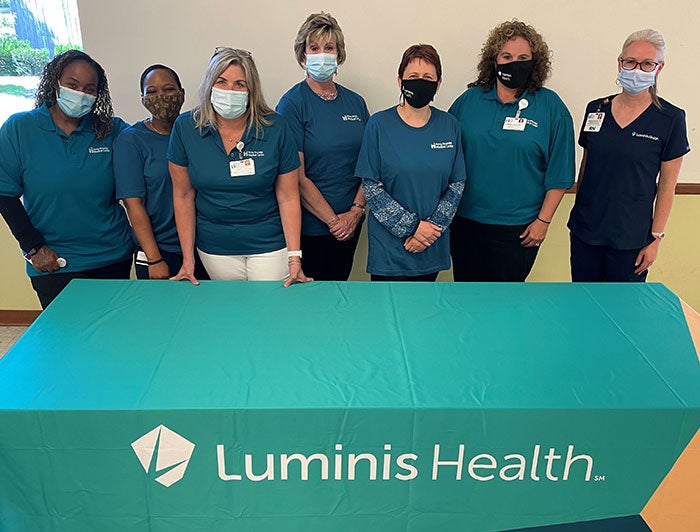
(321, 67)
(636, 81)
(229, 104)
(74, 103)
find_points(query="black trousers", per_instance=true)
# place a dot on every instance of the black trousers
(425, 278)
(48, 286)
(489, 253)
(327, 259)
(595, 264)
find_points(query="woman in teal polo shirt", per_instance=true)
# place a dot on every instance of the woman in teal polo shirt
(235, 171)
(58, 158)
(519, 149)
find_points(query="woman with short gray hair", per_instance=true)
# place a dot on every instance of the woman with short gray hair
(234, 167)
(629, 140)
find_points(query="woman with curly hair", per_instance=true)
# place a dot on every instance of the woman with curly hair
(58, 158)
(518, 142)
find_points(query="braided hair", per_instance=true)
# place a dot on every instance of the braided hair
(48, 85)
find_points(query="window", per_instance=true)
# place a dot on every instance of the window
(32, 32)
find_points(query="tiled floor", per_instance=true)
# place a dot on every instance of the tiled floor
(8, 336)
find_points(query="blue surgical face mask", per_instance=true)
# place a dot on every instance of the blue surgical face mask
(636, 81)
(74, 103)
(229, 104)
(321, 67)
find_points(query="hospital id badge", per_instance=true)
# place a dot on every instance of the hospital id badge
(594, 122)
(241, 168)
(514, 124)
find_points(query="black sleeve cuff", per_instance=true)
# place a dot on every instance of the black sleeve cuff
(19, 223)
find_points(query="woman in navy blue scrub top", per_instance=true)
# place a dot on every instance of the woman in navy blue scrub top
(143, 180)
(629, 139)
(412, 171)
(235, 171)
(58, 158)
(328, 121)
(518, 141)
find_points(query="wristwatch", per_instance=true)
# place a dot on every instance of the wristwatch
(359, 206)
(661, 234)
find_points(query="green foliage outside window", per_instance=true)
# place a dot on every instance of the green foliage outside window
(18, 58)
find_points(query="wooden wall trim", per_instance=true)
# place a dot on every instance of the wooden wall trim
(22, 318)
(681, 188)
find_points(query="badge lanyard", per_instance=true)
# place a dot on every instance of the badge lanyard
(241, 167)
(517, 123)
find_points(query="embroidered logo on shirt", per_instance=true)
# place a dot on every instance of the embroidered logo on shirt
(351, 118)
(99, 149)
(441, 145)
(253, 153)
(645, 136)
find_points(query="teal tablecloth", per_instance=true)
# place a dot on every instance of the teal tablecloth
(161, 406)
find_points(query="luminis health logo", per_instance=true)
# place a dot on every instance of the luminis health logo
(165, 453)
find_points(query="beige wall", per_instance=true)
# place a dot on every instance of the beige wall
(677, 265)
(127, 35)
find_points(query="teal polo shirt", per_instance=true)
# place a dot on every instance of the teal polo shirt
(67, 186)
(235, 215)
(509, 172)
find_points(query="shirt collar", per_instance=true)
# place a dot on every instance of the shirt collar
(46, 120)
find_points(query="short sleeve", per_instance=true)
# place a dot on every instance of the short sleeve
(677, 144)
(291, 111)
(118, 125)
(459, 170)
(128, 168)
(288, 151)
(368, 161)
(11, 183)
(177, 154)
(582, 135)
(561, 164)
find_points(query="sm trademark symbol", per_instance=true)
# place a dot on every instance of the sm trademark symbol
(599, 478)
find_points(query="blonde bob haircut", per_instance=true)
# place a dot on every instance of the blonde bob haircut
(316, 26)
(204, 114)
(654, 38)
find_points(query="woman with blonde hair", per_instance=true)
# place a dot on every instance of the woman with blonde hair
(234, 166)
(328, 121)
(630, 140)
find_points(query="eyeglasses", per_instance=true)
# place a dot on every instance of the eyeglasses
(631, 64)
(237, 51)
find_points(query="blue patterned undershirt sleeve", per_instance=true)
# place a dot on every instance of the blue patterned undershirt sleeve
(389, 212)
(446, 209)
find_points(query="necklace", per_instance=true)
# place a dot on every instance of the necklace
(328, 96)
(152, 127)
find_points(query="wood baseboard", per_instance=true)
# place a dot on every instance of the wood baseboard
(22, 318)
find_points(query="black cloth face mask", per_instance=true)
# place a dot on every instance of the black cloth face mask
(418, 92)
(514, 74)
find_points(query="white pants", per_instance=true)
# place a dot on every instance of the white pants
(271, 266)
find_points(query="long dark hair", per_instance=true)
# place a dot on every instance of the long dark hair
(48, 85)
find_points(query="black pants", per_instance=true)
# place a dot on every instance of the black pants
(489, 253)
(48, 286)
(174, 262)
(595, 264)
(425, 278)
(328, 259)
